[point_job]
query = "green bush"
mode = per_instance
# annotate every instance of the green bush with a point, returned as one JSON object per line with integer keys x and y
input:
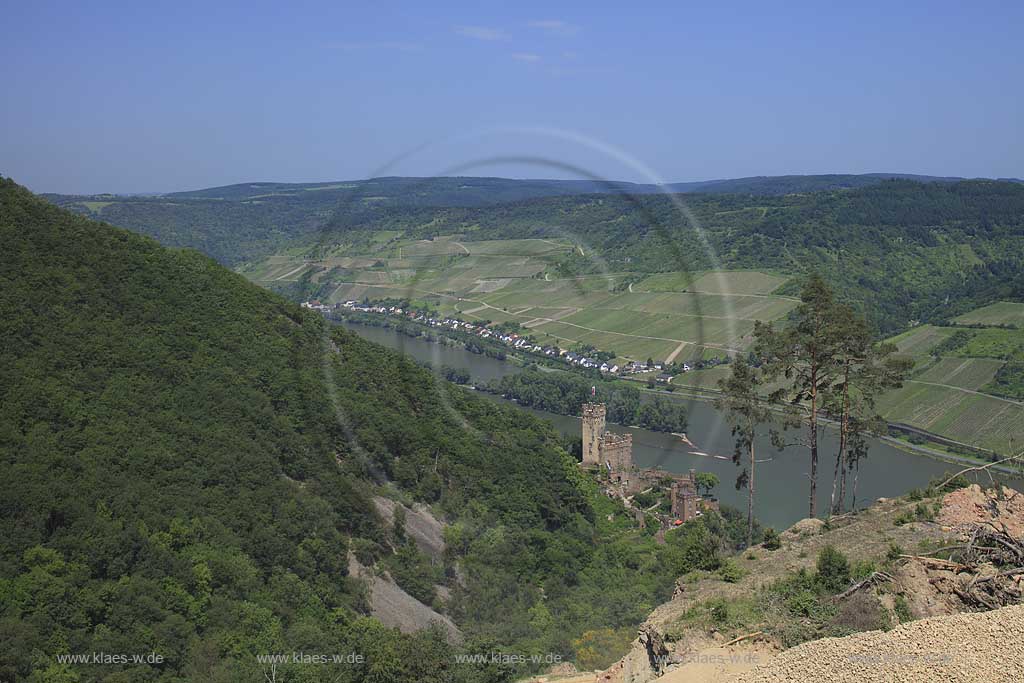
{"x": 771, "y": 539}
{"x": 894, "y": 552}
{"x": 730, "y": 571}
{"x": 833, "y": 569}
{"x": 863, "y": 570}
{"x": 902, "y": 609}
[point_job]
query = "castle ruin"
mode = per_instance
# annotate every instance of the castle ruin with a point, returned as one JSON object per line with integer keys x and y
{"x": 684, "y": 500}
{"x": 613, "y": 453}
{"x": 605, "y": 449}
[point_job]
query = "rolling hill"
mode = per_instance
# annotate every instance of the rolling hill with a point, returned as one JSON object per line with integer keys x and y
{"x": 245, "y": 221}
{"x": 903, "y": 251}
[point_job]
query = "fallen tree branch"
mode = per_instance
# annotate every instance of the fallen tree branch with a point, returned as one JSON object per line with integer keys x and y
{"x": 979, "y": 468}
{"x": 1008, "y": 572}
{"x": 874, "y": 579}
{"x": 938, "y": 562}
{"x": 749, "y": 635}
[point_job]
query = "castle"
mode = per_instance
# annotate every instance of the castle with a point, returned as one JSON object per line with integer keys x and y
{"x": 604, "y": 450}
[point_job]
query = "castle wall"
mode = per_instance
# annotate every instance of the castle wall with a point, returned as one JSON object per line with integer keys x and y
{"x": 617, "y": 451}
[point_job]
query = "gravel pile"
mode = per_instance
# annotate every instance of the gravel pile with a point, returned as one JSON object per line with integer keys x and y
{"x": 984, "y": 646}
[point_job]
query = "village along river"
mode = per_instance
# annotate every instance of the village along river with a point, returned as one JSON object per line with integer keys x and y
{"x": 782, "y": 482}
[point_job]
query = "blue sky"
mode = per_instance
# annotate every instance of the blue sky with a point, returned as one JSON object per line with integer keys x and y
{"x": 137, "y": 97}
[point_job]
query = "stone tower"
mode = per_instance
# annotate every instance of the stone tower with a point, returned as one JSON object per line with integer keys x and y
{"x": 593, "y": 430}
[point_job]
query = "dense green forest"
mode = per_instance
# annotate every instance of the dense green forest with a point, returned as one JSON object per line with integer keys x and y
{"x": 565, "y": 393}
{"x": 186, "y": 459}
{"x": 243, "y": 222}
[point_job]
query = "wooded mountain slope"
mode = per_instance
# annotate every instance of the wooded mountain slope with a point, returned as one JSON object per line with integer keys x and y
{"x": 176, "y": 478}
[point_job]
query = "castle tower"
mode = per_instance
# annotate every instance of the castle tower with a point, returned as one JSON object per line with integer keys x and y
{"x": 593, "y": 430}
{"x": 684, "y": 498}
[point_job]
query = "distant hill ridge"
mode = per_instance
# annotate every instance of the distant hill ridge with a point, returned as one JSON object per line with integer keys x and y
{"x": 448, "y": 188}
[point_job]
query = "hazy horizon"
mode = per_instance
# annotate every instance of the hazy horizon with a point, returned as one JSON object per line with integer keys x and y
{"x": 667, "y": 182}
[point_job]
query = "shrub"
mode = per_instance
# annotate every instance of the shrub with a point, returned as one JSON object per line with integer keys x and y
{"x": 860, "y": 612}
{"x": 902, "y": 609}
{"x": 771, "y": 539}
{"x": 923, "y": 513}
{"x": 804, "y": 603}
{"x": 863, "y": 570}
{"x": 718, "y": 609}
{"x": 957, "y": 482}
{"x": 833, "y": 569}
{"x": 730, "y": 571}
{"x": 894, "y": 552}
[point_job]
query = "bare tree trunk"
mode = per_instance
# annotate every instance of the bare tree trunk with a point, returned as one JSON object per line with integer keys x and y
{"x": 750, "y": 498}
{"x": 856, "y": 476}
{"x": 814, "y": 443}
{"x": 836, "y": 504}
{"x": 842, "y": 484}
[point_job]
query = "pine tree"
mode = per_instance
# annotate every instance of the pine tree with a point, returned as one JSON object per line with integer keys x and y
{"x": 745, "y": 410}
{"x": 804, "y": 354}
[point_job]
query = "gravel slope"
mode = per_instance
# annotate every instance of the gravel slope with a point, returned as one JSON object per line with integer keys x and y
{"x": 986, "y": 646}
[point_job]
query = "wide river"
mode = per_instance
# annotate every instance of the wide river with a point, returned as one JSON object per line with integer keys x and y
{"x": 782, "y": 482}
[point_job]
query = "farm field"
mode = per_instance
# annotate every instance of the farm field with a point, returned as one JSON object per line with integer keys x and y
{"x": 661, "y": 316}
{"x": 972, "y": 418}
{"x": 948, "y": 395}
{"x": 917, "y": 342}
{"x": 966, "y": 373}
{"x": 1000, "y": 313}
{"x": 993, "y": 342}
{"x": 702, "y": 379}
{"x": 721, "y": 282}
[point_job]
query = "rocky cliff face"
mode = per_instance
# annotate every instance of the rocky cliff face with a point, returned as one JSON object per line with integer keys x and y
{"x": 396, "y": 608}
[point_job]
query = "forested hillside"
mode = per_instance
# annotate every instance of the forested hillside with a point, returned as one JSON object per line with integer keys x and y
{"x": 186, "y": 461}
{"x": 905, "y": 251}
{"x": 246, "y": 221}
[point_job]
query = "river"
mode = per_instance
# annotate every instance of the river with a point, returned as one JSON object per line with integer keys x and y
{"x": 782, "y": 481}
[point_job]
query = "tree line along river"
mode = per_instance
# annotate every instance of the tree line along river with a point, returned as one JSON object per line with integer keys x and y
{"x": 782, "y": 477}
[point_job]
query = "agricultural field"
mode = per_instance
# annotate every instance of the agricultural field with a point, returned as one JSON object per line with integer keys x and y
{"x": 972, "y": 418}
{"x": 993, "y": 342}
{"x": 917, "y": 342}
{"x": 668, "y": 315}
{"x": 720, "y": 282}
{"x": 1000, "y": 313}
{"x": 703, "y": 379}
{"x": 966, "y": 373}
{"x": 950, "y": 395}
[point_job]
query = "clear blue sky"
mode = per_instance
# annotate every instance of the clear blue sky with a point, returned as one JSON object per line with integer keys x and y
{"x": 138, "y": 96}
